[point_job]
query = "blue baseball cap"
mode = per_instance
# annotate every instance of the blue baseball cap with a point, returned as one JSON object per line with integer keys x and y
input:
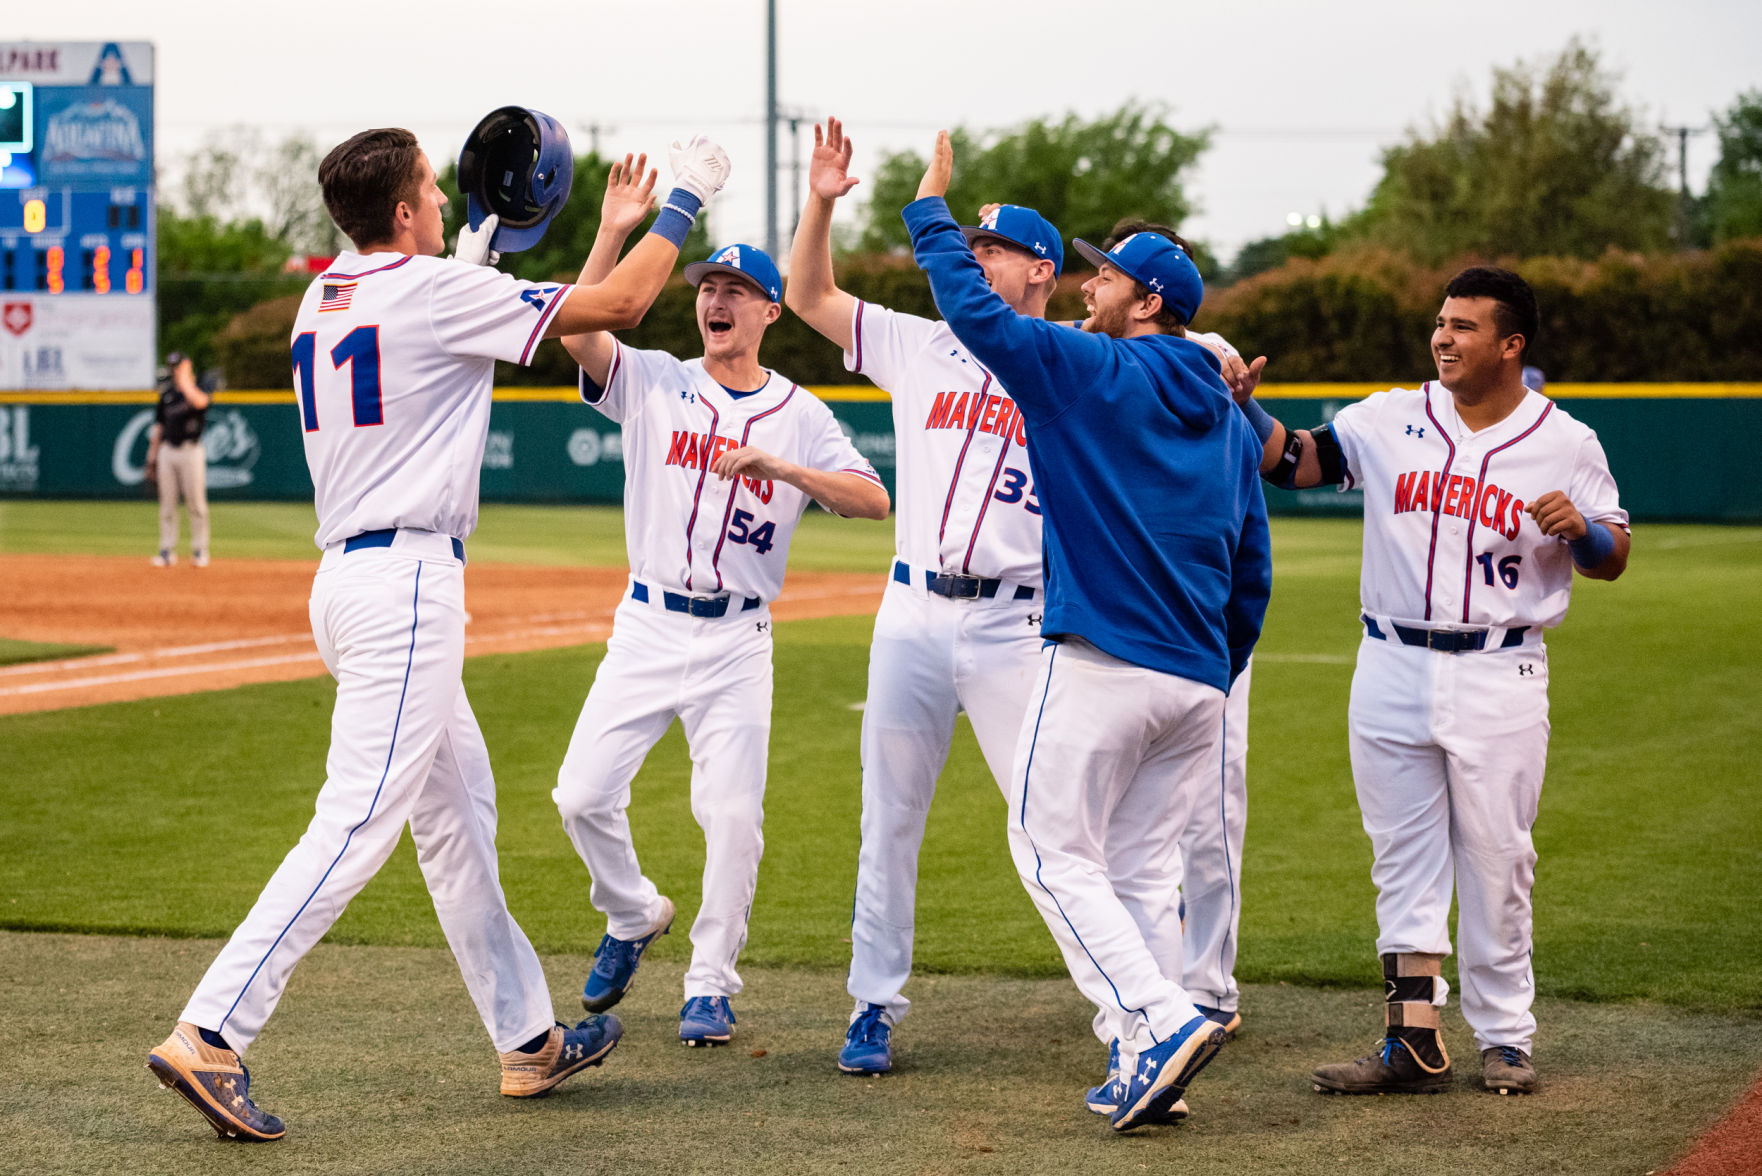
{"x": 1024, "y": 228}
{"x": 1159, "y": 264}
{"x": 750, "y": 262}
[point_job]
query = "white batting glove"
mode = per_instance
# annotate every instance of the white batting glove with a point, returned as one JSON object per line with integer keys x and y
{"x": 701, "y": 167}
{"x": 472, "y": 246}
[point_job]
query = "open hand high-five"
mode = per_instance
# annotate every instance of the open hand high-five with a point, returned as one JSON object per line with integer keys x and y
{"x": 936, "y": 176}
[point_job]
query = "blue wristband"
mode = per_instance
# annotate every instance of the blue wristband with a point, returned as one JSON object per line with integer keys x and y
{"x": 1597, "y": 546}
{"x": 678, "y": 214}
{"x": 1258, "y": 420}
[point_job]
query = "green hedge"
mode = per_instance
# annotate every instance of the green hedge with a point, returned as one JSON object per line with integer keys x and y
{"x": 1361, "y": 314}
{"x": 1367, "y": 315}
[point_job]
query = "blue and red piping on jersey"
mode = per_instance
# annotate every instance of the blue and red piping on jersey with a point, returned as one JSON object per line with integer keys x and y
{"x": 857, "y": 339}
{"x": 1437, "y": 506}
{"x": 544, "y": 317}
{"x": 390, "y": 265}
{"x": 697, "y": 494}
{"x": 990, "y": 489}
{"x": 1474, "y": 515}
{"x": 955, "y": 480}
{"x": 728, "y": 507}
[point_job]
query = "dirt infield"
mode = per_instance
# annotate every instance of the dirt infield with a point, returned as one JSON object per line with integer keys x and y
{"x": 184, "y": 629}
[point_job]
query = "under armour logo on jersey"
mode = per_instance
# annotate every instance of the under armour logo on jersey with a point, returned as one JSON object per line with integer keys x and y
{"x": 1526, "y": 670}
{"x": 764, "y": 626}
{"x": 1416, "y": 432}
{"x": 687, "y": 395}
{"x": 1034, "y": 619}
{"x": 955, "y": 354}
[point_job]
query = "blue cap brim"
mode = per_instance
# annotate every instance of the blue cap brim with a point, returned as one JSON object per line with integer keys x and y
{"x": 695, "y": 271}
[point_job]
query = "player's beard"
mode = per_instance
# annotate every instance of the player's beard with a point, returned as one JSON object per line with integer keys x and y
{"x": 1106, "y": 321}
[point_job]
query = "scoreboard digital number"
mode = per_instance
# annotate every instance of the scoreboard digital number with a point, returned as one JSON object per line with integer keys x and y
{"x": 77, "y": 246}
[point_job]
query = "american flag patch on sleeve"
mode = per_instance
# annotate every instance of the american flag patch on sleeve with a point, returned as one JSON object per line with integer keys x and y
{"x": 336, "y": 296}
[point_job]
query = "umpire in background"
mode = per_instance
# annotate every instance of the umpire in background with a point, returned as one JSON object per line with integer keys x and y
{"x": 1157, "y": 578}
{"x": 176, "y": 461}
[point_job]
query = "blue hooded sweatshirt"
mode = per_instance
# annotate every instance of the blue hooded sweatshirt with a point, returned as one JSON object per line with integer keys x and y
{"x": 1148, "y": 477}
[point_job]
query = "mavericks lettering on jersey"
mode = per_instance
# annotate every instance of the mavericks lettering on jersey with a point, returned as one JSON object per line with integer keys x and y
{"x": 699, "y": 451}
{"x": 986, "y": 411}
{"x": 1459, "y": 495}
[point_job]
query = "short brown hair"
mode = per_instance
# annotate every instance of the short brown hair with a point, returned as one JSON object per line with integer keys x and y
{"x": 1166, "y": 321}
{"x": 366, "y": 177}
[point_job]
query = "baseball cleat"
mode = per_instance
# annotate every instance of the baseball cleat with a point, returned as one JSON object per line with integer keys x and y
{"x": 1154, "y": 1089}
{"x": 1505, "y": 1069}
{"x": 1104, "y": 1099}
{"x": 868, "y": 1047}
{"x": 1230, "y": 1019}
{"x": 706, "y": 1020}
{"x": 200, "y": 559}
{"x": 215, "y": 1082}
{"x": 615, "y": 962}
{"x": 1392, "y": 1069}
{"x": 165, "y": 559}
{"x": 566, "y": 1051}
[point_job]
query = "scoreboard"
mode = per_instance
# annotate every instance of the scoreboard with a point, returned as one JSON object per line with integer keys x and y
{"x": 77, "y": 247}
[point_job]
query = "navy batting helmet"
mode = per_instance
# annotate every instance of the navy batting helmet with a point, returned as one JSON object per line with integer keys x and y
{"x": 516, "y": 164}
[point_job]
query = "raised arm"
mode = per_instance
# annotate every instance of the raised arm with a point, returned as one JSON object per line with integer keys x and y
{"x": 184, "y": 376}
{"x": 1044, "y": 366}
{"x": 629, "y": 198}
{"x": 700, "y": 168}
{"x": 811, "y": 289}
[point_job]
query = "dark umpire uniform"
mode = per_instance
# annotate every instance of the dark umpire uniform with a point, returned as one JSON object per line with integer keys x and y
{"x": 178, "y": 462}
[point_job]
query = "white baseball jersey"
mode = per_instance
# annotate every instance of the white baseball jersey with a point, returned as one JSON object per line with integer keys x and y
{"x": 1446, "y": 541}
{"x": 964, "y": 492}
{"x": 687, "y": 530}
{"x": 393, "y": 361}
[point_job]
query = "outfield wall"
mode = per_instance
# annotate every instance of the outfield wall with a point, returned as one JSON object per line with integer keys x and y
{"x": 1673, "y": 447}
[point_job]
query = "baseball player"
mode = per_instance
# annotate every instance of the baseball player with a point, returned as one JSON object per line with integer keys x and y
{"x": 721, "y": 456}
{"x": 177, "y": 462}
{"x": 1480, "y": 498}
{"x": 393, "y": 355}
{"x": 1157, "y": 582}
{"x": 959, "y": 625}
{"x": 1208, "y": 907}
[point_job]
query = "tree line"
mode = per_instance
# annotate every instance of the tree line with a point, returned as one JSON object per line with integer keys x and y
{"x": 1556, "y": 174}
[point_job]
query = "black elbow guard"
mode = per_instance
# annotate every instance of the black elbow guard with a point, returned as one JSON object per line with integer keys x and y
{"x": 1330, "y": 455}
{"x": 1284, "y": 474}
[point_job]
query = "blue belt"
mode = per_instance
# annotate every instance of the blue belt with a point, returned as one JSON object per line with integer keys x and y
{"x": 1444, "y": 640}
{"x": 384, "y": 539}
{"x": 697, "y": 606}
{"x": 958, "y": 587}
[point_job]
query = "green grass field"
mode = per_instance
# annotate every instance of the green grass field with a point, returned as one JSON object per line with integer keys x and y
{"x": 1646, "y": 894}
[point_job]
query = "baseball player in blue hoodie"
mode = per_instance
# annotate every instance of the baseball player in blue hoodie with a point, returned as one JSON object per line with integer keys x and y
{"x": 1157, "y": 579}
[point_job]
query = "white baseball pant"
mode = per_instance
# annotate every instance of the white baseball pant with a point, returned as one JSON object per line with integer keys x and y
{"x": 404, "y": 747}
{"x": 1211, "y": 863}
{"x": 1448, "y": 754}
{"x": 931, "y": 658}
{"x": 714, "y": 674}
{"x": 1107, "y": 766}
{"x": 182, "y": 472}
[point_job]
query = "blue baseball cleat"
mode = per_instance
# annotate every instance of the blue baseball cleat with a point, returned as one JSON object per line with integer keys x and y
{"x": 215, "y": 1082}
{"x": 1105, "y": 1099}
{"x": 868, "y": 1047}
{"x": 1153, "y": 1091}
{"x": 1230, "y": 1019}
{"x": 706, "y": 1020}
{"x": 615, "y": 962}
{"x": 565, "y": 1051}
